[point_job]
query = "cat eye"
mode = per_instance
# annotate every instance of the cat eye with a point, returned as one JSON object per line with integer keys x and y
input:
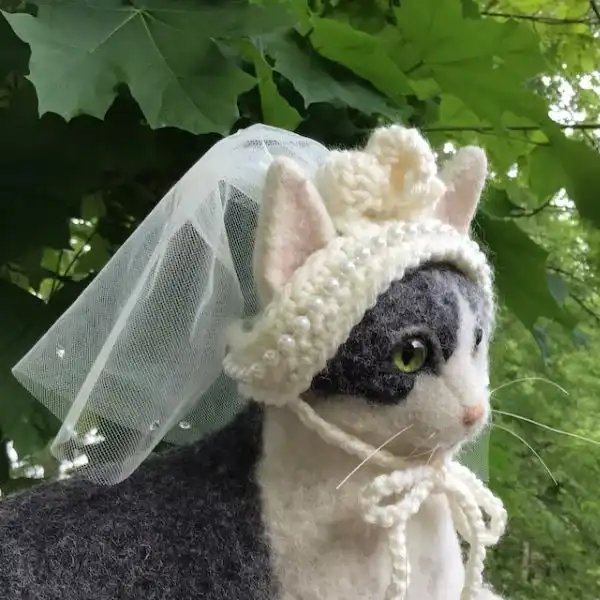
{"x": 411, "y": 355}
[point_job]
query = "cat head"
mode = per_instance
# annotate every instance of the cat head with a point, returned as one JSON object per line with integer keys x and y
{"x": 378, "y": 306}
{"x": 417, "y": 363}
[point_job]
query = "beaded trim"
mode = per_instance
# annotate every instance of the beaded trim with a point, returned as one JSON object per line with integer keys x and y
{"x": 304, "y": 325}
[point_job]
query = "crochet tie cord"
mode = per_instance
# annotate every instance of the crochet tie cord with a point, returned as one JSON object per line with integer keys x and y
{"x": 391, "y": 500}
{"x": 380, "y": 223}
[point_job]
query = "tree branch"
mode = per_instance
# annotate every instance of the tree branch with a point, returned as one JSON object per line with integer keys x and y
{"x": 77, "y": 254}
{"x": 567, "y": 274}
{"x": 595, "y": 8}
{"x": 486, "y": 128}
{"x": 537, "y": 19}
{"x": 535, "y": 211}
{"x": 586, "y": 308}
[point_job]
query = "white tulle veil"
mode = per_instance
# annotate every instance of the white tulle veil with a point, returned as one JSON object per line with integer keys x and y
{"x": 138, "y": 357}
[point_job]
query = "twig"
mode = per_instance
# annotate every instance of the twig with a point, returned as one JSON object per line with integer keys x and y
{"x": 414, "y": 67}
{"x": 567, "y": 274}
{"x": 595, "y": 9}
{"x": 522, "y": 140}
{"x": 486, "y": 128}
{"x": 535, "y": 211}
{"x": 72, "y": 263}
{"x": 586, "y": 308}
{"x": 79, "y": 252}
{"x": 536, "y": 18}
{"x": 57, "y": 274}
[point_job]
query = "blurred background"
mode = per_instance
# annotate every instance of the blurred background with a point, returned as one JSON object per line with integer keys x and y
{"x": 105, "y": 104}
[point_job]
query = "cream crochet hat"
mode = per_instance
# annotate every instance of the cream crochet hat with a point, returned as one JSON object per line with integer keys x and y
{"x": 374, "y": 214}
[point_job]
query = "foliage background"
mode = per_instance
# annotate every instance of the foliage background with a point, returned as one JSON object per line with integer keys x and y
{"x": 105, "y": 104}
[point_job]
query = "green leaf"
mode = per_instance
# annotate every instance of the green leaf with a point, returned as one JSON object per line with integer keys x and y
{"x": 22, "y": 321}
{"x": 580, "y": 339}
{"x": 483, "y": 62}
{"x": 14, "y": 54}
{"x": 164, "y": 50}
{"x": 541, "y": 338}
{"x": 93, "y": 259}
{"x": 520, "y": 271}
{"x": 362, "y": 53}
{"x": 444, "y": 36}
{"x": 582, "y": 166}
{"x": 496, "y": 203}
{"x": 307, "y": 72}
{"x": 546, "y": 175}
{"x": 276, "y": 110}
{"x": 558, "y": 288}
{"x": 92, "y": 207}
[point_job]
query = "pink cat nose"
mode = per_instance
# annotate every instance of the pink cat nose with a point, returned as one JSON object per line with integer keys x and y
{"x": 472, "y": 414}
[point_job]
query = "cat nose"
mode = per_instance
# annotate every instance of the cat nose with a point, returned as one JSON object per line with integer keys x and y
{"x": 472, "y": 414}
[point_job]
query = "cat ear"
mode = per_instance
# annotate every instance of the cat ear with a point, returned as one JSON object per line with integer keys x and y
{"x": 293, "y": 223}
{"x": 464, "y": 175}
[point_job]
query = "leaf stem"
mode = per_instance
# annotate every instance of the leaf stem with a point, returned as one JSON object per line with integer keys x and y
{"x": 72, "y": 263}
{"x": 536, "y": 18}
{"x": 535, "y": 211}
{"x": 56, "y": 278}
{"x": 79, "y": 252}
{"x": 414, "y": 68}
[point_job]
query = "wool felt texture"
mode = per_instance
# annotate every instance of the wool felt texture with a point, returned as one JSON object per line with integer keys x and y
{"x": 304, "y": 217}
{"x": 251, "y": 512}
{"x": 186, "y": 525}
{"x": 423, "y": 304}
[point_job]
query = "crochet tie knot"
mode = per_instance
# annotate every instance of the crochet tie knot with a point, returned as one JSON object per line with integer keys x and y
{"x": 391, "y": 500}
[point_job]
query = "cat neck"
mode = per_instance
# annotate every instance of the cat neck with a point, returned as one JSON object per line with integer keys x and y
{"x": 291, "y": 446}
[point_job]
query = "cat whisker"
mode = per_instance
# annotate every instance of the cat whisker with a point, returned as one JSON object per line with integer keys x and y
{"x": 524, "y": 379}
{"x": 432, "y": 454}
{"x": 547, "y": 427}
{"x": 424, "y": 452}
{"x": 366, "y": 460}
{"x": 524, "y": 441}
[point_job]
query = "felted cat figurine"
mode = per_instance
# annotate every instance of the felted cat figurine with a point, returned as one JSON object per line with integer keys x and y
{"x": 377, "y": 316}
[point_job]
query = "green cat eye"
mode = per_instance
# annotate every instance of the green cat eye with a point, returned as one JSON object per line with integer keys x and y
{"x": 411, "y": 355}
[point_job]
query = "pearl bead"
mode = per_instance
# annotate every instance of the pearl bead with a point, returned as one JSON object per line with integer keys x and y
{"x": 315, "y": 304}
{"x": 332, "y": 285}
{"x": 286, "y": 343}
{"x": 363, "y": 254}
{"x": 348, "y": 267}
{"x": 396, "y": 230}
{"x": 271, "y": 357}
{"x": 302, "y": 324}
{"x": 378, "y": 243}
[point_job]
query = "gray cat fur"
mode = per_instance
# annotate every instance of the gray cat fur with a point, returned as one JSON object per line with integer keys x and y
{"x": 188, "y": 524}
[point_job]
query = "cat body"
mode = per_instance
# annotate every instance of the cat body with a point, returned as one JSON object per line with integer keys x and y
{"x": 219, "y": 521}
{"x": 253, "y": 511}
{"x": 374, "y": 333}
